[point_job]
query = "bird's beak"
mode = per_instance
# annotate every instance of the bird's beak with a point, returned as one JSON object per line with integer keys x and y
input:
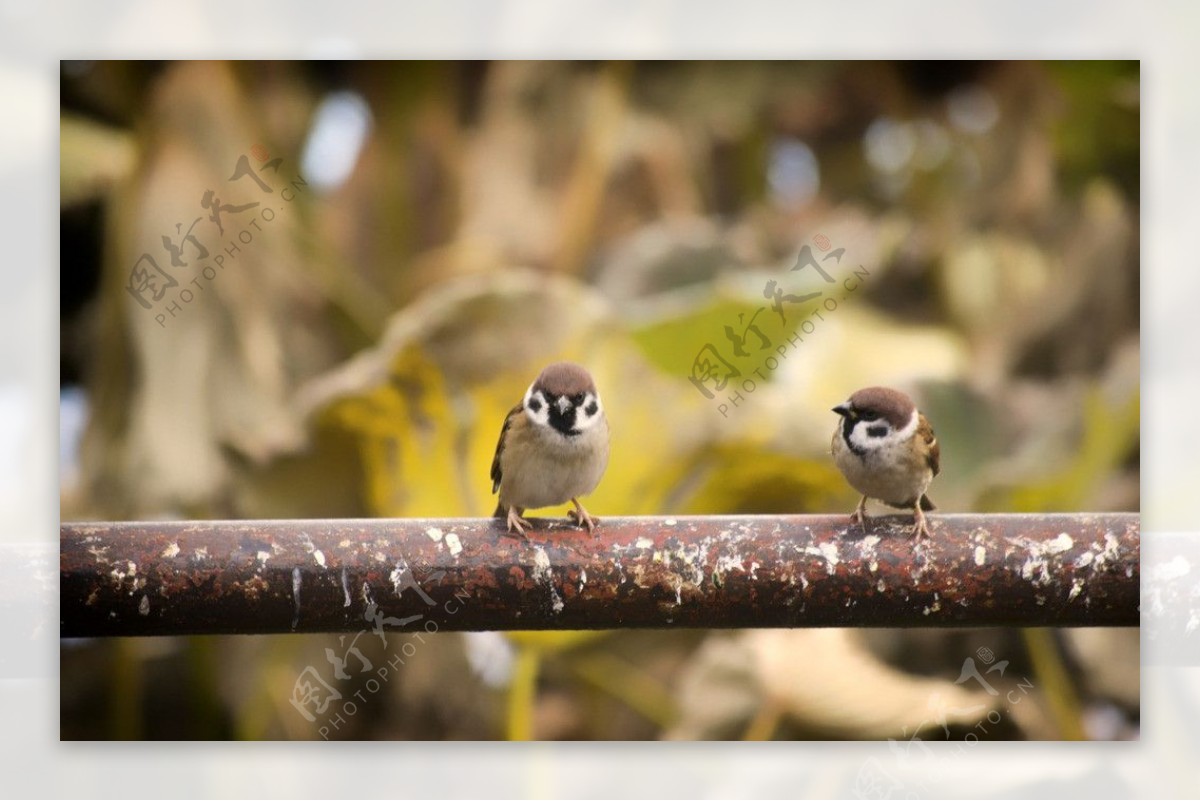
{"x": 843, "y": 409}
{"x": 563, "y": 404}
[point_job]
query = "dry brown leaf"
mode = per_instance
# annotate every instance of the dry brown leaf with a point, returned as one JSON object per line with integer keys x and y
{"x": 825, "y": 680}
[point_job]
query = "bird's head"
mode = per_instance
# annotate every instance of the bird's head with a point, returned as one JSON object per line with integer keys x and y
{"x": 564, "y": 399}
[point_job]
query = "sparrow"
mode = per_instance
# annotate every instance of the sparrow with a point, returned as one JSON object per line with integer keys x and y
{"x": 887, "y": 450}
{"x": 553, "y": 447}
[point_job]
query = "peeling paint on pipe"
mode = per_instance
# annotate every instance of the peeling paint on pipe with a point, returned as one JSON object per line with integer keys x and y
{"x": 280, "y": 576}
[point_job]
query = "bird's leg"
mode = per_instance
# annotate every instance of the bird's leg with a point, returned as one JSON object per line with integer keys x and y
{"x": 581, "y": 516}
{"x": 859, "y": 515}
{"x": 515, "y": 521}
{"x": 921, "y": 529}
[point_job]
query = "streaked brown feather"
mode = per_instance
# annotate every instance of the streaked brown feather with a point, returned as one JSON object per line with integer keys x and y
{"x": 934, "y": 456}
{"x": 512, "y": 415}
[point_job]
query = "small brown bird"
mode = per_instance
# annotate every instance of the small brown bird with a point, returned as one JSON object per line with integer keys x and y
{"x": 887, "y": 450}
{"x": 553, "y": 447}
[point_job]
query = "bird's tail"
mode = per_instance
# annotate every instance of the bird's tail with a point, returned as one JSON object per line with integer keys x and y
{"x": 500, "y": 511}
{"x": 926, "y": 504}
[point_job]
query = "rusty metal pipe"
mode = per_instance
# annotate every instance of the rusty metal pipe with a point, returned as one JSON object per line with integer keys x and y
{"x": 278, "y": 576}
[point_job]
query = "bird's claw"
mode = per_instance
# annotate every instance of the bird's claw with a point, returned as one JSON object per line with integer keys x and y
{"x": 859, "y": 515}
{"x": 582, "y": 518}
{"x": 517, "y": 523}
{"x": 920, "y": 526}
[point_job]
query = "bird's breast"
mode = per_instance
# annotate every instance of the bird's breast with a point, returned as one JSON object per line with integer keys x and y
{"x": 544, "y": 468}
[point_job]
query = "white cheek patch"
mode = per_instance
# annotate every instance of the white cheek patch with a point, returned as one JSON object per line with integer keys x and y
{"x": 583, "y": 420}
{"x": 536, "y": 408}
{"x": 862, "y": 440}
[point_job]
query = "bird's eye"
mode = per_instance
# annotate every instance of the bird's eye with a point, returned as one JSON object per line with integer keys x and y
{"x": 577, "y": 400}
{"x": 868, "y": 416}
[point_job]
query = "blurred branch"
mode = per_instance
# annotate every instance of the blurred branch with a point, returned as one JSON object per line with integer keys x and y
{"x": 92, "y": 159}
{"x": 125, "y": 702}
{"x": 467, "y": 574}
{"x": 589, "y": 176}
{"x": 1053, "y": 677}
{"x": 522, "y": 694}
{"x": 762, "y": 727}
{"x": 631, "y": 685}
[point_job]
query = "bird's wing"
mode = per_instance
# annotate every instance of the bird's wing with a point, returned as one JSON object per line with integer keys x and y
{"x": 508, "y": 421}
{"x": 934, "y": 456}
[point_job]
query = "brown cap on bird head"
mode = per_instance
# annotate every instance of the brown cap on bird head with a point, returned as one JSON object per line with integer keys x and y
{"x": 890, "y": 404}
{"x": 564, "y": 379}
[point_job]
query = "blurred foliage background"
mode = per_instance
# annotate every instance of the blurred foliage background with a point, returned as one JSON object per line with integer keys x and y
{"x": 456, "y": 225}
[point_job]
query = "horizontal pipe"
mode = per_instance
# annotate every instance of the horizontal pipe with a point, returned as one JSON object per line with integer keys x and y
{"x": 278, "y": 576}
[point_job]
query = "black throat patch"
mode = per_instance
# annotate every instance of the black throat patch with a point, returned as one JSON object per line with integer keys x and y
{"x": 562, "y": 422}
{"x": 848, "y": 424}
